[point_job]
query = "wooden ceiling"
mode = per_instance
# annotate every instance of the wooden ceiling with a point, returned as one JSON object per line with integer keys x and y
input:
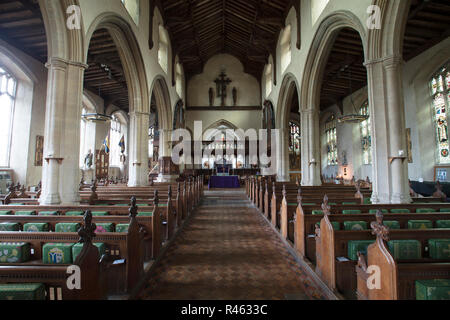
{"x": 344, "y": 72}
{"x": 105, "y": 76}
{"x": 22, "y": 26}
{"x": 247, "y": 29}
{"x": 428, "y": 24}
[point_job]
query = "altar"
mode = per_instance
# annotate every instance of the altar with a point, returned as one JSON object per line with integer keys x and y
{"x": 227, "y": 182}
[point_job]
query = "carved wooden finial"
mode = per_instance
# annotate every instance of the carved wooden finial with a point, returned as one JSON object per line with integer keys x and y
{"x": 87, "y": 231}
{"x": 378, "y": 228}
{"x": 325, "y": 207}
{"x": 299, "y": 195}
{"x": 362, "y": 263}
{"x": 156, "y": 198}
{"x": 133, "y": 210}
{"x": 284, "y": 191}
{"x": 273, "y": 187}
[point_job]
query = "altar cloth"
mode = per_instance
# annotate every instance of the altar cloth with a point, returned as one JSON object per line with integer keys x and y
{"x": 224, "y": 182}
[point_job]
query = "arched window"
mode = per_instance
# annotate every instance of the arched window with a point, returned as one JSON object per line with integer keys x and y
{"x": 286, "y": 48}
{"x": 331, "y": 134}
{"x": 7, "y": 99}
{"x": 115, "y": 136}
{"x": 366, "y": 138}
{"x": 82, "y": 137}
{"x": 163, "y": 51}
{"x": 294, "y": 145}
{"x": 132, "y": 7}
{"x": 440, "y": 91}
{"x": 153, "y": 132}
{"x": 179, "y": 80}
{"x": 268, "y": 75}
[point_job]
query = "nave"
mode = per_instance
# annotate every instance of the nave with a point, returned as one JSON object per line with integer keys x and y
{"x": 228, "y": 251}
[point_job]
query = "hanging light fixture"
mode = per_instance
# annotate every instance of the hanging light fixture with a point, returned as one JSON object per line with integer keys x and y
{"x": 354, "y": 117}
{"x": 99, "y": 117}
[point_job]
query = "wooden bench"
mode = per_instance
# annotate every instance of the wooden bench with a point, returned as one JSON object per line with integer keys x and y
{"x": 335, "y": 269}
{"x": 398, "y": 278}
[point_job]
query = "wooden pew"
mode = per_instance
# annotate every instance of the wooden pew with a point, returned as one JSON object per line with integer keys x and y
{"x": 397, "y": 281}
{"x": 126, "y": 246}
{"x": 340, "y": 274}
{"x": 93, "y": 270}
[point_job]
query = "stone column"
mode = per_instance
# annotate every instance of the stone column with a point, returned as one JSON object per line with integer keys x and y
{"x": 380, "y": 166}
{"x": 60, "y": 173}
{"x": 283, "y": 156}
{"x": 311, "y": 163}
{"x": 396, "y": 130}
{"x": 138, "y": 152}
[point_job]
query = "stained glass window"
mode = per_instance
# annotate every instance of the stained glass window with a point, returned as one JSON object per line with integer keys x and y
{"x": 366, "y": 138}
{"x": 331, "y": 134}
{"x": 7, "y": 98}
{"x": 294, "y": 138}
{"x": 440, "y": 91}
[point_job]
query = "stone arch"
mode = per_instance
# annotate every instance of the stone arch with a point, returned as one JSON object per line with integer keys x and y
{"x": 388, "y": 41}
{"x": 319, "y": 53}
{"x": 287, "y": 90}
{"x": 130, "y": 56}
{"x": 66, "y": 45}
{"x": 161, "y": 91}
{"x": 221, "y": 122}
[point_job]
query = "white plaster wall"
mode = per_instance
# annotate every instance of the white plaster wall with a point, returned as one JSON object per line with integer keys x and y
{"x": 29, "y": 112}
{"x": 248, "y": 89}
{"x": 418, "y": 113}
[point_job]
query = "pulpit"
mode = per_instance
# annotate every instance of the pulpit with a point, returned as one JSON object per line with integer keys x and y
{"x": 168, "y": 171}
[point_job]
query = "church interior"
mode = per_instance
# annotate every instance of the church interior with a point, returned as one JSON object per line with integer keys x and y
{"x": 315, "y": 159}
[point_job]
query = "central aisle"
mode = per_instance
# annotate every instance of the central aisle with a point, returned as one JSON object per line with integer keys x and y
{"x": 227, "y": 251}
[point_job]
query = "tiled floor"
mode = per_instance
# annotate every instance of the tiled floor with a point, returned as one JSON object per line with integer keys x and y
{"x": 227, "y": 252}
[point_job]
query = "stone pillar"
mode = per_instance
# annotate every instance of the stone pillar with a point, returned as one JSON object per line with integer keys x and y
{"x": 138, "y": 152}
{"x": 283, "y": 156}
{"x": 60, "y": 172}
{"x": 396, "y": 130}
{"x": 311, "y": 148}
{"x": 380, "y": 165}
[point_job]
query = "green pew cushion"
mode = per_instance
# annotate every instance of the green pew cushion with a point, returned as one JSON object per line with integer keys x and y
{"x": 57, "y": 253}
{"x": 74, "y": 213}
{"x": 7, "y": 226}
{"x": 25, "y": 213}
{"x": 358, "y": 245}
{"x": 348, "y": 203}
{"x": 22, "y": 291}
{"x": 100, "y": 213}
{"x": 374, "y": 211}
{"x": 308, "y": 204}
{"x": 289, "y": 204}
{"x": 392, "y": 224}
{"x": 400, "y": 211}
{"x": 121, "y": 205}
{"x": 142, "y": 205}
{"x": 332, "y": 204}
{"x": 76, "y": 250}
{"x": 367, "y": 201}
{"x": 5, "y": 213}
{"x": 122, "y": 228}
{"x": 425, "y": 210}
{"x": 335, "y": 224}
{"x": 14, "y": 252}
{"x": 420, "y": 224}
{"x": 444, "y": 210}
{"x": 355, "y": 225}
{"x": 36, "y": 227}
{"x": 145, "y": 214}
{"x": 437, "y": 289}
{"x": 443, "y": 224}
{"x": 351, "y": 211}
{"x": 317, "y": 212}
{"x": 67, "y": 227}
{"x": 405, "y": 249}
{"x": 48, "y": 213}
{"x": 104, "y": 227}
{"x": 439, "y": 248}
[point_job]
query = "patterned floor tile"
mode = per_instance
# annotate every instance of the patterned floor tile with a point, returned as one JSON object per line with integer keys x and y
{"x": 227, "y": 251}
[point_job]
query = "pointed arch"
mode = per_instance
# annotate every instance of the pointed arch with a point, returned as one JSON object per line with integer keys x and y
{"x": 161, "y": 92}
